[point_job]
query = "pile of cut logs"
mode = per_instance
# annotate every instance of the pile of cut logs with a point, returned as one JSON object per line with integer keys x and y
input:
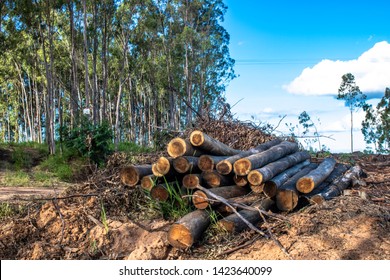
{"x": 227, "y": 179}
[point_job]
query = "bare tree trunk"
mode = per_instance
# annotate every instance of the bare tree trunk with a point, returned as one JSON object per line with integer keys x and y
{"x": 87, "y": 96}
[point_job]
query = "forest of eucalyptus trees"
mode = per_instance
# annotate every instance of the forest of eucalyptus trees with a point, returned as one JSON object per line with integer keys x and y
{"x": 140, "y": 65}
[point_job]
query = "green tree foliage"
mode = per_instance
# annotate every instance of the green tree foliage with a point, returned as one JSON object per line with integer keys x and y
{"x": 376, "y": 125}
{"x": 141, "y": 66}
{"x": 353, "y": 97}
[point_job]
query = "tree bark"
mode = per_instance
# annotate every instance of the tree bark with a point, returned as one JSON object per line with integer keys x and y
{"x": 287, "y": 195}
{"x": 225, "y": 167}
{"x": 214, "y": 180}
{"x": 186, "y": 164}
{"x": 211, "y": 145}
{"x": 180, "y": 147}
{"x": 234, "y": 224}
{"x": 309, "y": 182}
{"x": 201, "y": 200}
{"x": 208, "y": 162}
{"x": 131, "y": 175}
{"x": 271, "y": 186}
{"x": 245, "y": 165}
{"x": 339, "y": 185}
{"x": 267, "y": 172}
{"x": 189, "y": 229}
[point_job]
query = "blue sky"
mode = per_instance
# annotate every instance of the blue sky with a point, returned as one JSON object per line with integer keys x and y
{"x": 290, "y": 56}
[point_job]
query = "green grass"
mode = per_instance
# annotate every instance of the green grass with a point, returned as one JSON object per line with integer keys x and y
{"x": 10, "y": 210}
{"x": 131, "y": 147}
{"x": 16, "y": 178}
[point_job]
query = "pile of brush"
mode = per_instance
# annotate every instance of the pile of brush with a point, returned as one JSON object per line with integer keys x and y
{"x": 234, "y": 182}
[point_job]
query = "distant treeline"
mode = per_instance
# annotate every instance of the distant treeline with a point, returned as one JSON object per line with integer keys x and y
{"x": 140, "y": 65}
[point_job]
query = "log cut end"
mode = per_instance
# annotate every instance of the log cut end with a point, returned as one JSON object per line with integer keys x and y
{"x": 197, "y": 138}
{"x": 155, "y": 171}
{"x": 147, "y": 182}
{"x": 224, "y": 167}
{"x": 191, "y": 181}
{"x": 129, "y": 176}
{"x": 305, "y": 185}
{"x": 205, "y": 163}
{"x": 240, "y": 181}
{"x": 211, "y": 178}
{"x": 181, "y": 165}
{"x": 242, "y": 167}
{"x": 270, "y": 189}
{"x": 255, "y": 177}
{"x": 180, "y": 236}
{"x": 286, "y": 200}
{"x": 257, "y": 188}
{"x": 177, "y": 147}
{"x": 163, "y": 165}
{"x": 316, "y": 199}
{"x": 200, "y": 200}
{"x": 226, "y": 225}
{"x": 160, "y": 193}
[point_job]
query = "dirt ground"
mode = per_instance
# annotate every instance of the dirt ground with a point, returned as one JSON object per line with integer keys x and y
{"x": 101, "y": 219}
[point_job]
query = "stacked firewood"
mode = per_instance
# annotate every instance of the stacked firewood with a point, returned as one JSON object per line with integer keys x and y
{"x": 227, "y": 179}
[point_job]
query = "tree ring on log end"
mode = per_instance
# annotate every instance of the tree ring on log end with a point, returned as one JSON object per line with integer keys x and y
{"x": 180, "y": 237}
{"x": 129, "y": 176}
{"x": 257, "y": 188}
{"x": 159, "y": 193}
{"x": 227, "y": 225}
{"x": 316, "y": 199}
{"x": 286, "y": 200}
{"x": 255, "y": 177}
{"x": 270, "y": 189}
{"x": 176, "y": 147}
{"x": 242, "y": 167}
{"x": 224, "y": 167}
{"x": 163, "y": 165}
{"x": 200, "y": 200}
{"x": 305, "y": 185}
{"x": 190, "y": 181}
{"x": 196, "y": 138}
{"x": 240, "y": 181}
{"x": 205, "y": 163}
{"x": 181, "y": 164}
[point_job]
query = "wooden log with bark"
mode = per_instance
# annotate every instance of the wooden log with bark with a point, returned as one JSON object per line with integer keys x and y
{"x": 186, "y": 164}
{"x": 191, "y": 181}
{"x": 257, "y": 188}
{"x": 243, "y": 166}
{"x": 182, "y": 147}
{"x": 271, "y": 186}
{"x": 267, "y": 172}
{"x": 189, "y": 229}
{"x": 339, "y": 185}
{"x": 308, "y": 182}
{"x": 235, "y": 202}
{"x": 201, "y": 199}
{"x": 225, "y": 167}
{"x": 235, "y": 224}
{"x": 240, "y": 181}
{"x": 131, "y": 175}
{"x": 287, "y": 195}
{"x": 211, "y": 145}
{"x": 208, "y": 162}
{"x": 159, "y": 193}
{"x": 214, "y": 180}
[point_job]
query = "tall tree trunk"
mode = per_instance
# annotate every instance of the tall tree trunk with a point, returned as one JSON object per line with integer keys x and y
{"x": 87, "y": 95}
{"x": 351, "y": 131}
{"x": 95, "y": 93}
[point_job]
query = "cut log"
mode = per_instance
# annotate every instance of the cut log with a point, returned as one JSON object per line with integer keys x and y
{"x": 148, "y": 182}
{"x": 159, "y": 193}
{"x": 235, "y": 202}
{"x": 258, "y": 176}
{"x": 208, "y": 162}
{"x": 271, "y": 186}
{"x": 234, "y": 224}
{"x": 240, "y": 181}
{"x": 211, "y": 145}
{"x": 131, "y": 175}
{"x": 257, "y": 188}
{"x": 214, "y": 180}
{"x": 163, "y": 165}
{"x": 182, "y": 147}
{"x": 287, "y": 195}
{"x": 201, "y": 200}
{"x": 186, "y": 164}
{"x": 191, "y": 181}
{"x": 225, "y": 167}
{"x": 307, "y": 183}
{"x": 336, "y": 188}
{"x": 337, "y": 172}
{"x": 243, "y": 166}
{"x": 189, "y": 229}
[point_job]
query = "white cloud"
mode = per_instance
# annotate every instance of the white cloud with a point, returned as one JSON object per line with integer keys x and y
{"x": 371, "y": 71}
